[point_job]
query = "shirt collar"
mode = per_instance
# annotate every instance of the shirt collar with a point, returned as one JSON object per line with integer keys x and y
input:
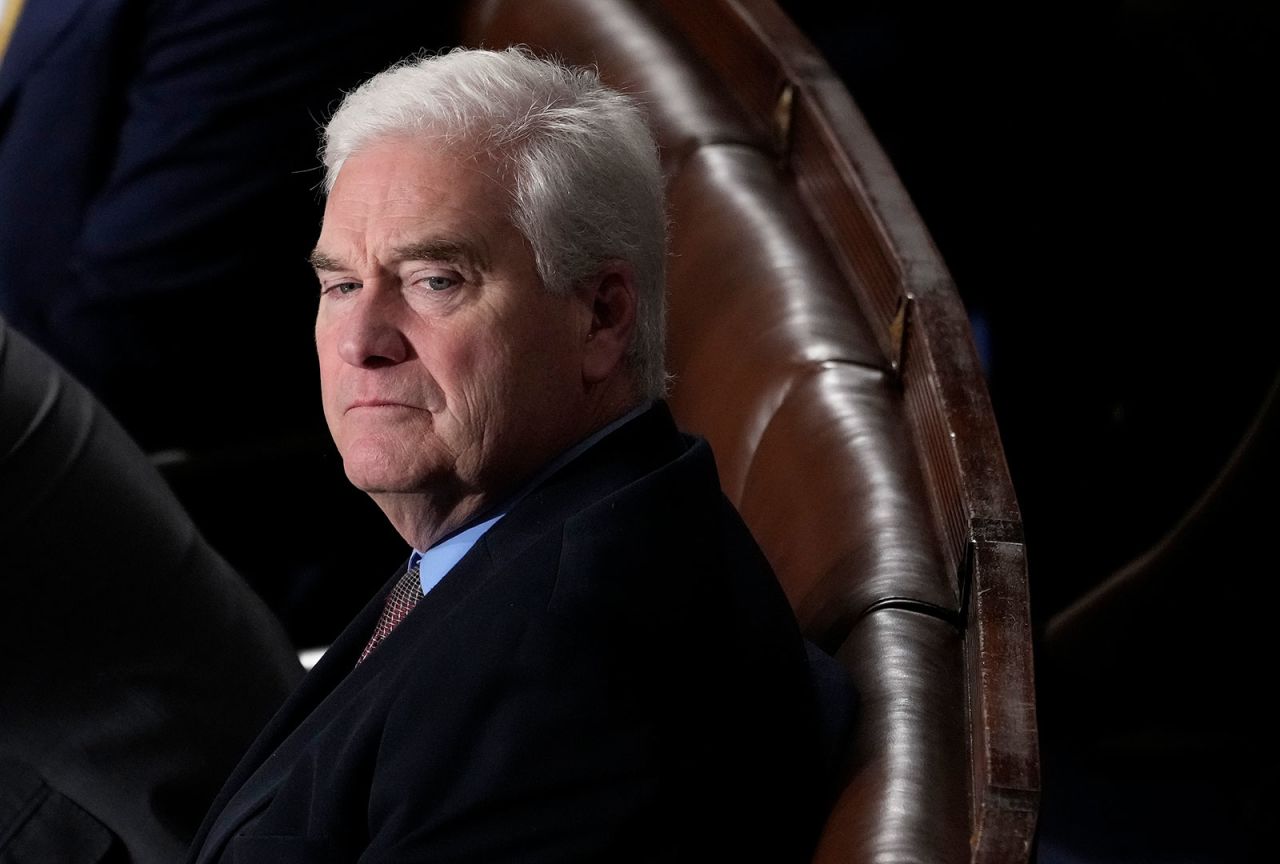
{"x": 437, "y": 561}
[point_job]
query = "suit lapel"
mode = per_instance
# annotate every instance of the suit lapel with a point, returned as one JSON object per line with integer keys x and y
{"x": 630, "y": 452}
{"x": 265, "y": 763}
{"x": 40, "y": 24}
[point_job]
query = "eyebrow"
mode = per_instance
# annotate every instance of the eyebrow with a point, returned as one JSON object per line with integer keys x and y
{"x": 443, "y": 250}
{"x": 422, "y": 250}
{"x": 323, "y": 263}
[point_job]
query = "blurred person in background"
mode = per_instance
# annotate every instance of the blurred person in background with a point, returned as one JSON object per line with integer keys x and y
{"x": 157, "y": 171}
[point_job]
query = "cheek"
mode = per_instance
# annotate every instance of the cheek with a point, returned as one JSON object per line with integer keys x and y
{"x": 463, "y": 371}
{"x": 328, "y": 387}
{"x": 326, "y": 354}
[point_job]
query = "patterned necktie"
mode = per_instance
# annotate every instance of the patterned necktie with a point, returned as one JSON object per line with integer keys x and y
{"x": 400, "y": 602}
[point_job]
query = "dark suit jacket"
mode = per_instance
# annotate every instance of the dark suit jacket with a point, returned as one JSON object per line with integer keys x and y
{"x": 135, "y": 666}
{"x": 612, "y": 673}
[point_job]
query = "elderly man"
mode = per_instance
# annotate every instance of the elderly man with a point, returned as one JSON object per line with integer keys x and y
{"x": 586, "y": 657}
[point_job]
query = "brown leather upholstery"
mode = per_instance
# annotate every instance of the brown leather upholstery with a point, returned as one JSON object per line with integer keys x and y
{"x": 908, "y": 666}
{"x": 771, "y": 288}
{"x": 817, "y": 341}
{"x": 637, "y": 54}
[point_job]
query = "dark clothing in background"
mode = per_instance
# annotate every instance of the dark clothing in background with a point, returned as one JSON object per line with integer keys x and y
{"x": 158, "y": 197}
{"x": 135, "y": 666}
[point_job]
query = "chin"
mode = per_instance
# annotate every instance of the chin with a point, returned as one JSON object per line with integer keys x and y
{"x": 379, "y": 477}
{"x": 373, "y": 469}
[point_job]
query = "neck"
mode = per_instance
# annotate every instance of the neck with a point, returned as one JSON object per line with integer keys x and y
{"x": 423, "y": 518}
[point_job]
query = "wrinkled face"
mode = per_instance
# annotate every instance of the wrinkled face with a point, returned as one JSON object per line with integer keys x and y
{"x": 445, "y": 366}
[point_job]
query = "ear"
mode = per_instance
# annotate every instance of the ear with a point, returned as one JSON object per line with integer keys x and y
{"x": 611, "y": 297}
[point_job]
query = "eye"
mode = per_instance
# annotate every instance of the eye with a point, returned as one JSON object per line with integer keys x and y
{"x": 340, "y": 288}
{"x": 438, "y": 283}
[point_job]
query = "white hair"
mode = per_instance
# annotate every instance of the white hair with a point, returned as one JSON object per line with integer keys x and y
{"x": 578, "y": 157}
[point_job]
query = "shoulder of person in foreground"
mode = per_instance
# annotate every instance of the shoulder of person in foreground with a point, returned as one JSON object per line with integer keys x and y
{"x": 135, "y": 665}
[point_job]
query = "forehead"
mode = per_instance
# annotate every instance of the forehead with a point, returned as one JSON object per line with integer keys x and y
{"x": 393, "y": 190}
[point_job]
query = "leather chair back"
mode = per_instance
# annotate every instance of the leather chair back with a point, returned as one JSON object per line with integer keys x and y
{"x": 817, "y": 341}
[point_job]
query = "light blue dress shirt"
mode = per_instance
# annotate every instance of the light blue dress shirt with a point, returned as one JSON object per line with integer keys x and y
{"x": 440, "y": 558}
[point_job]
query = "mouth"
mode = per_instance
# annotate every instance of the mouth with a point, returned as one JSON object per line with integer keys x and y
{"x": 381, "y": 403}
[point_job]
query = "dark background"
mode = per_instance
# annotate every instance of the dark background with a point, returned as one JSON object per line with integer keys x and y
{"x": 1100, "y": 179}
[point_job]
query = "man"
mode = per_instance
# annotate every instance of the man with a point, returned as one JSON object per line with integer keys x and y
{"x": 601, "y": 665}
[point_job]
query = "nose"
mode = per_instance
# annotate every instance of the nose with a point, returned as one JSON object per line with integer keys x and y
{"x": 371, "y": 335}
